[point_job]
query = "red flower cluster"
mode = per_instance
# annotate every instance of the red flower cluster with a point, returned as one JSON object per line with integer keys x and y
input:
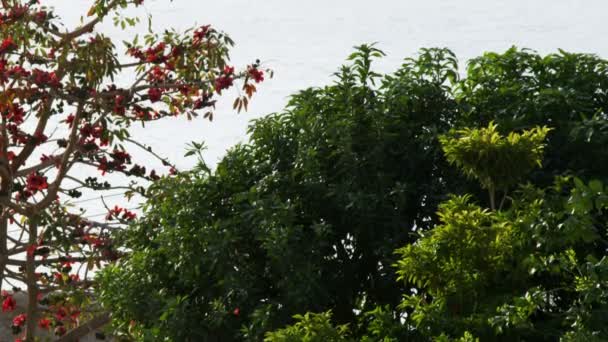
{"x": 9, "y": 303}
{"x": 155, "y": 54}
{"x": 119, "y": 105}
{"x": 225, "y": 80}
{"x": 200, "y": 34}
{"x": 19, "y": 320}
{"x": 155, "y": 94}
{"x": 42, "y": 78}
{"x": 18, "y": 136}
{"x": 16, "y": 71}
{"x": 89, "y": 134}
{"x": 157, "y": 74}
{"x": 44, "y": 323}
{"x": 12, "y": 113}
{"x": 8, "y": 44}
{"x": 120, "y": 213}
{"x": 36, "y": 182}
{"x": 256, "y": 74}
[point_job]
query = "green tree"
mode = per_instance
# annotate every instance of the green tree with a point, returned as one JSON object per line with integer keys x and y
{"x": 527, "y": 273}
{"x": 307, "y": 215}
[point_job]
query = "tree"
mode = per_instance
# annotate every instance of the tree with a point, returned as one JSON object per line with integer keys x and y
{"x": 533, "y": 271}
{"x": 307, "y": 216}
{"x": 282, "y": 225}
{"x": 61, "y": 113}
{"x": 529, "y": 272}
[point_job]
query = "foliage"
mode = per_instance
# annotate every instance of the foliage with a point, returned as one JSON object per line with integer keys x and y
{"x": 283, "y": 225}
{"x": 64, "y": 120}
{"x": 310, "y": 328}
{"x": 307, "y": 215}
{"x": 497, "y": 162}
{"x": 536, "y": 271}
{"x": 520, "y": 89}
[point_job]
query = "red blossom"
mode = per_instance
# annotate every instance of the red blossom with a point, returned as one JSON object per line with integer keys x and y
{"x": 155, "y": 94}
{"x": 200, "y": 34}
{"x": 70, "y": 120}
{"x": 7, "y": 45}
{"x": 19, "y": 320}
{"x": 119, "y": 105}
{"x": 228, "y": 70}
{"x": 156, "y": 54}
{"x": 256, "y": 74}
{"x": 223, "y": 82}
{"x": 18, "y": 71}
{"x": 36, "y": 182}
{"x": 128, "y": 215}
{"x": 157, "y": 74}
{"x": 43, "y": 78}
{"x": 135, "y": 52}
{"x": 9, "y": 303}
{"x": 61, "y": 314}
{"x": 44, "y": 323}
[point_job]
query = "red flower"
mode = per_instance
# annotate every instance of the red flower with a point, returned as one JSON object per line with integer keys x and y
{"x": 70, "y": 119}
{"x": 156, "y": 54}
{"x": 7, "y": 45}
{"x": 36, "y": 182}
{"x": 200, "y": 34}
{"x": 115, "y": 212}
{"x": 228, "y": 70}
{"x": 19, "y": 320}
{"x": 44, "y": 323}
{"x": 61, "y": 314}
{"x": 9, "y": 303}
{"x": 155, "y": 94}
{"x": 128, "y": 215}
{"x": 223, "y": 82}
{"x": 43, "y": 78}
{"x": 255, "y": 74}
{"x": 236, "y": 311}
{"x": 157, "y": 74}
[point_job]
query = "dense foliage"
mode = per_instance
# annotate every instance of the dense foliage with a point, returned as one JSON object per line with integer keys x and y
{"x": 307, "y": 215}
{"x": 65, "y": 123}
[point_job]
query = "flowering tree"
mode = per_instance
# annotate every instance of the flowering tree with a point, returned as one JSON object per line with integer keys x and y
{"x": 61, "y": 113}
